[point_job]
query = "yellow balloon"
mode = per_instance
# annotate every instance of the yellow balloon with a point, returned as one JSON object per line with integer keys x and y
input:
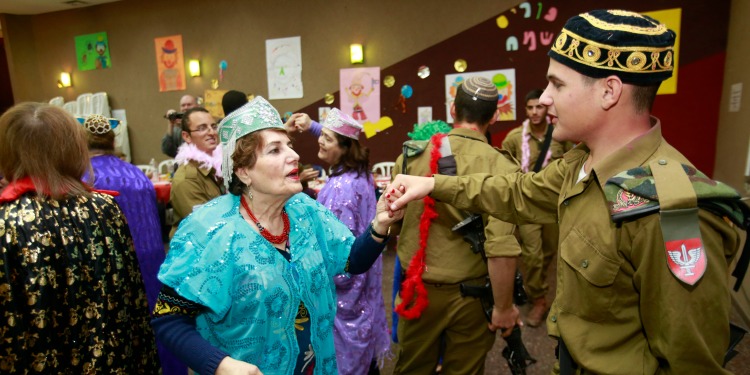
{"x": 502, "y": 22}
{"x": 460, "y": 65}
{"x": 389, "y": 81}
{"x": 329, "y": 98}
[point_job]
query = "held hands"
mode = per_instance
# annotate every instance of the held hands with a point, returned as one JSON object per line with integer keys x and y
{"x": 505, "y": 319}
{"x": 384, "y": 216}
{"x": 231, "y": 366}
{"x": 298, "y": 122}
{"x": 405, "y": 189}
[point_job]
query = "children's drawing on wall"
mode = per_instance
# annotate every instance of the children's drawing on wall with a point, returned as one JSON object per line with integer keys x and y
{"x": 92, "y": 51}
{"x": 170, "y": 63}
{"x": 504, "y": 80}
{"x": 360, "y": 93}
{"x": 212, "y": 102}
{"x": 424, "y": 114}
{"x": 284, "y": 68}
{"x": 323, "y": 113}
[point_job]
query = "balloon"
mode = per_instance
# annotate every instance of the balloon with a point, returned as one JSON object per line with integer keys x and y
{"x": 407, "y": 91}
{"x": 223, "y": 65}
{"x": 389, "y": 81}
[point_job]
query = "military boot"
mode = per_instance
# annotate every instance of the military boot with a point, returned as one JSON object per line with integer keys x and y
{"x": 538, "y": 312}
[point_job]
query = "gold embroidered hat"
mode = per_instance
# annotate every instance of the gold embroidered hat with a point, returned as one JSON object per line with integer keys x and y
{"x": 599, "y": 43}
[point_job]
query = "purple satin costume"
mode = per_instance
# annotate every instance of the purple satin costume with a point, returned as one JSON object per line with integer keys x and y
{"x": 137, "y": 201}
{"x": 360, "y": 328}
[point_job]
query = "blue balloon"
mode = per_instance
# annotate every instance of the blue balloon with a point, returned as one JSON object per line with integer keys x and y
{"x": 223, "y": 65}
{"x": 407, "y": 91}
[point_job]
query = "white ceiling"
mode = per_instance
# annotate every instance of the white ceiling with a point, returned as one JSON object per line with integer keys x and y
{"x": 45, "y": 6}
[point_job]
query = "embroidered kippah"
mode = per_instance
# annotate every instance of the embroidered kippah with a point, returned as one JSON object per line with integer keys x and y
{"x": 341, "y": 123}
{"x": 632, "y": 46}
{"x": 97, "y": 124}
{"x": 480, "y": 88}
{"x": 256, "y": 115}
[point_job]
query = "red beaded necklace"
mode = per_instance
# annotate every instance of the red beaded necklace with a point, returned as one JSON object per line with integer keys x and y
{"x": 265, "y": 233}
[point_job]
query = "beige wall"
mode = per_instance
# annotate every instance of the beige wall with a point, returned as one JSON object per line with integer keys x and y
{"x": 733, "y": 137}
{"x": 41, "y": 46}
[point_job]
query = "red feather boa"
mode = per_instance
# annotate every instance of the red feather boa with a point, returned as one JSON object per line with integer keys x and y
{"x": 409, "y": 308}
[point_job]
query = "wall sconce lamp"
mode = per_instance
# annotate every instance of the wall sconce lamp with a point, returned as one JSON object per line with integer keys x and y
{"x": 194, "y": 66}
{"x": 64, "y": 80}
{"x": 357, "y": 54}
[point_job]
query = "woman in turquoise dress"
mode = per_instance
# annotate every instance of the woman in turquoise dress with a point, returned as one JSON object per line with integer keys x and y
{"x": 248, "y": 281}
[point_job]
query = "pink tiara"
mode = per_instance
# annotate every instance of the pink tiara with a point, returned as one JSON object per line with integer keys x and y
{"x": 341, "y": 123}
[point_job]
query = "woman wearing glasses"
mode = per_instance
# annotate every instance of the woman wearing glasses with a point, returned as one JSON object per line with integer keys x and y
{"x": 197, "y": 179}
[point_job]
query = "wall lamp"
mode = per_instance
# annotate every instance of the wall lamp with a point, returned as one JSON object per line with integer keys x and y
{"x": 194, "y": 67}
{"x": 64, "y": 80}
{"x": 357, "y": 54}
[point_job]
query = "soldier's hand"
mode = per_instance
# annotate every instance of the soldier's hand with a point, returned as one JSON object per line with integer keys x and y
{"x": 408, "y": 188}
{"x": 505, "y": 319}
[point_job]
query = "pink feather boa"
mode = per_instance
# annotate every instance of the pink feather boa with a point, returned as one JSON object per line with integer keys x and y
{"x": 188, "y": 152}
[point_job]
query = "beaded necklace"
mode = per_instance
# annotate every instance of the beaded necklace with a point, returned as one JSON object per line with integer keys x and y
{"x": 263, "y": 231}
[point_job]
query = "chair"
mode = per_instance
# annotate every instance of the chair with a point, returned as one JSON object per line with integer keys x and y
{"x": 383, "y": 168}
{"x": 146, "y": 169}
{"x": 84, "y": 105}
{"x": 71, "y": 107}
{"x": 166, "y": 166}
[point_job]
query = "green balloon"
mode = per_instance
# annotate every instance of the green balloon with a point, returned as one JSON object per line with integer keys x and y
{"x": 500, "y": 80}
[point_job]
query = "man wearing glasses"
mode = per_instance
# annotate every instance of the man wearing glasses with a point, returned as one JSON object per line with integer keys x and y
{"x": 196, "y": 180}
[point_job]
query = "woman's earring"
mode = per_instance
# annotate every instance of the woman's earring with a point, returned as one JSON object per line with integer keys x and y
{"x": 249, "y": 193}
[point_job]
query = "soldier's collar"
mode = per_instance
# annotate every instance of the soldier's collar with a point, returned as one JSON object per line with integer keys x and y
{"x": 468, "y": 133}
{"x": 632, "y": 155}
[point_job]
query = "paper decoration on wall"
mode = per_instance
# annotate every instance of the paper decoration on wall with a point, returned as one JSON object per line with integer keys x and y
{"x": 92, "y": 51}
{"x": 212, "y": 102}
{"x": 504, "y": 80}
{"x": 460, "y": 65}
{"x": 360, "y": 92}
{"x": 323, "y": 113}
{"x": 423, "y": 72}
{"x": 214, "y": 83}
{"x": 671, "y": 18}
{"x": 372, "y": 129}
{"x": 424, "y": 114}
{"x": 170, "y": 63}
{"x": 530, "y": 38}
{"x": 328, "y": 98}
{"x": 284, "y": 68}
{"x": 389, "y": 81}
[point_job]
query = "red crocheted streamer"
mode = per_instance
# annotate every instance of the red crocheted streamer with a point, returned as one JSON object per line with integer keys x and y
{"x": 413, "y": 286}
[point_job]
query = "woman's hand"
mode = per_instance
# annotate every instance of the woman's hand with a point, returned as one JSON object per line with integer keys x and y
{"x": 302, "y": 122}
{"x": 231, "y": 366}
{"x": 290, "y": 126}
{"x": 308, "y": 174}
{"x": 384, "y": 217}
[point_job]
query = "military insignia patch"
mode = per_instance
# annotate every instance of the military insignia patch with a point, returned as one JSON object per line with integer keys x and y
{"x": 686, "y": 259}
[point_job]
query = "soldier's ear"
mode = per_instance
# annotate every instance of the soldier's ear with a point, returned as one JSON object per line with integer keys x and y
{"x": 453, "y": 109}
{"x": 611, "y": 91}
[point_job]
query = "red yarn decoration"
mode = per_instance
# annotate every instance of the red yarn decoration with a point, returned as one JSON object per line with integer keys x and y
{"x": 263, "y": 231}
{"x": 413, "y": 286}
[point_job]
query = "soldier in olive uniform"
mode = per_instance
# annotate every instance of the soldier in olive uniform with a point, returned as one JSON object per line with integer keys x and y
{"x": 642, "y": 282}
{"x": 532, "y": 144}
{"x": 438, "y": 259}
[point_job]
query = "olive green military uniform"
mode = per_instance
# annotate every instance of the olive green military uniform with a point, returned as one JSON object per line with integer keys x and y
{"x": 450, "y": 261}
{"x": 618, "y": 307}
{"x": 191, "y": 186}
{"x": 538, "y": 241}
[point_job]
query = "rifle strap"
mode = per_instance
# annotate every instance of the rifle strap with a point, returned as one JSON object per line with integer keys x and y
{"x": 544, "y": 148}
